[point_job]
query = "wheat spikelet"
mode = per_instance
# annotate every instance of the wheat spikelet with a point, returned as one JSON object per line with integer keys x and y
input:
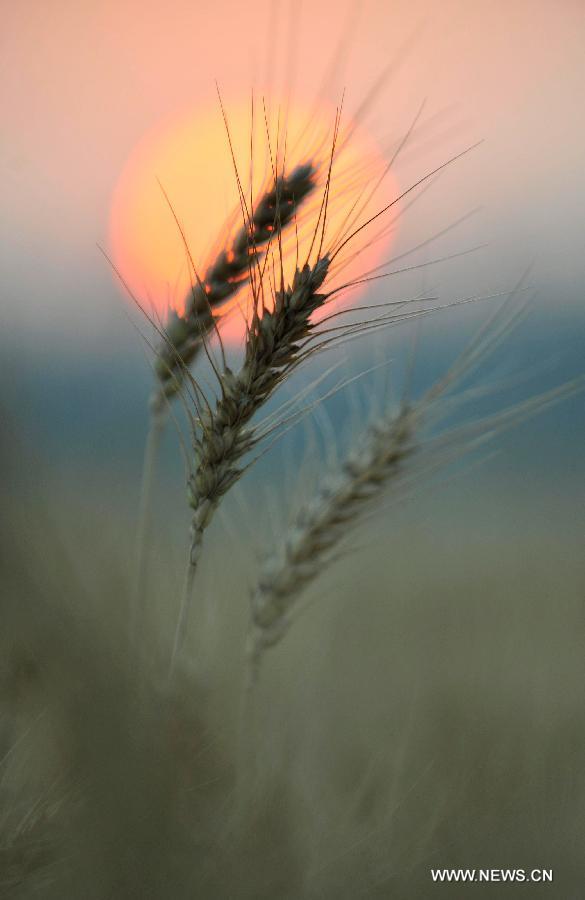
{"x": 184, "y": 334}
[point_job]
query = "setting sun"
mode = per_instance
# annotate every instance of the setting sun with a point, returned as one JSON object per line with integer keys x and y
{"x": 188, "y": 159}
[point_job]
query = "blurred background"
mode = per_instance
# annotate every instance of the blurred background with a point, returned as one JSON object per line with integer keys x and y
{"x": 450, "y": 695}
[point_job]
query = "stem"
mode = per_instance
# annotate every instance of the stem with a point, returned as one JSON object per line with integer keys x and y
{"x": 143, "y": 532}
{"x": 181, "y": 629}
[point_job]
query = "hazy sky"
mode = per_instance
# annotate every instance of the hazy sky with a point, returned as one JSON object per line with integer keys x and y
{"x": 83, "y": 82}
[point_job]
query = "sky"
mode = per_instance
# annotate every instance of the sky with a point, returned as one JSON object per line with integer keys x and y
{"x": 83, "y": 83}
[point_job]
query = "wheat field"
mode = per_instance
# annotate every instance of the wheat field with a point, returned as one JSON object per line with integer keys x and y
{"x": 291, "y": 561}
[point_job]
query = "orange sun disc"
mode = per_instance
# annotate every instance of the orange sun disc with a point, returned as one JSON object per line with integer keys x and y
{"x": 177, "y": 202}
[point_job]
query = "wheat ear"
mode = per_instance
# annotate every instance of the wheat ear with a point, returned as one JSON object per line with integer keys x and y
{"x": 223, "y": 435}
{"x": 185, "y": 334}
{"x": 323, "y": 522}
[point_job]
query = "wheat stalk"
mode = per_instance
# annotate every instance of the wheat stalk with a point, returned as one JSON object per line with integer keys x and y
{"x": 222, "y": 434}
{"x": 185, "y": 335}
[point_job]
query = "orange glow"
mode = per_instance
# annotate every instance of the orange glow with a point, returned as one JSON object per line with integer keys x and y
{"x": 189, "y": 158}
